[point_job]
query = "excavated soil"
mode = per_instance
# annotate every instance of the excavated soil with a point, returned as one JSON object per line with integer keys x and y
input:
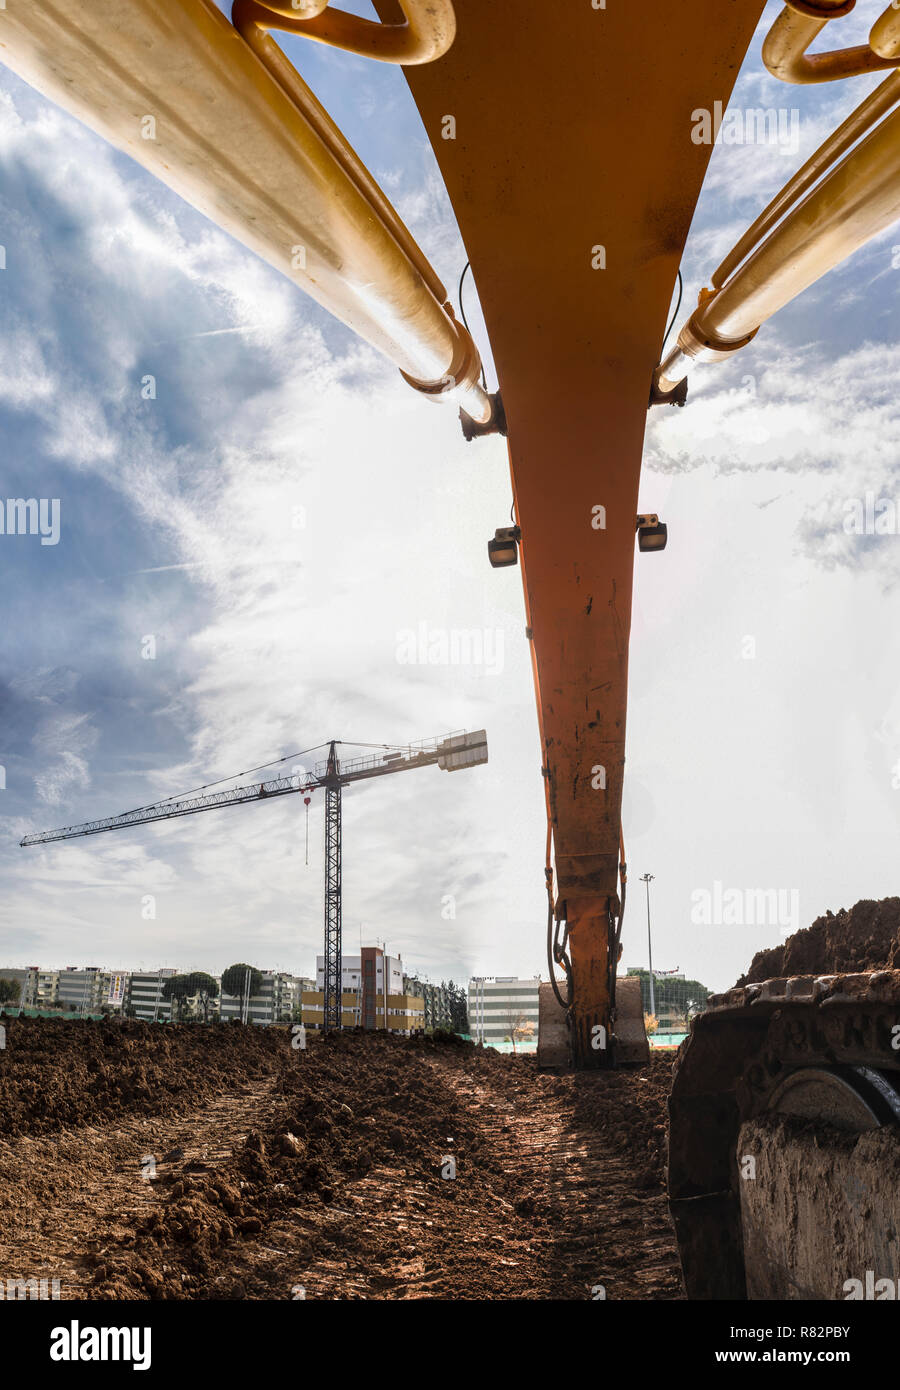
{"x": 865, "y": 937}
{"x": 57, "y": 1073}
{"x": 218, "y": 1162}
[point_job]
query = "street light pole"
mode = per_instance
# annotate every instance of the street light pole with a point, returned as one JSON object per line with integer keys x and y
{"x": 648, "y": 879}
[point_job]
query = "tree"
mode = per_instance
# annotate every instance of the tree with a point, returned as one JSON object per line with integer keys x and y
{"x": 459, "y": 1007}
{"x": 197, "y": 984}
{"x": 672, "y": 993}
{"x": 520, "y": 1025}
{"x": 651, "y": 1023}
{"x": 10, "y": 991}
{"x": 236, "y": 977}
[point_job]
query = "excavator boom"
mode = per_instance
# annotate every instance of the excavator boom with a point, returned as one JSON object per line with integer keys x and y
{"x": 574, "y": 177}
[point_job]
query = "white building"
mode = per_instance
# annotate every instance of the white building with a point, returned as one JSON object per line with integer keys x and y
{"x": 364, "y": 1001}
{"x": 82, "y": 991}
{"x": 277, "y": 1000}
{"x": 352, "y": 968}
{"x": 145, "y": 995}
{"x": 503, "y": 1006}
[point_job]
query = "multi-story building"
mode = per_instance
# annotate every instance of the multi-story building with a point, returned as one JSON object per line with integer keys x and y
{"x": 47, "y": 989}
{"x": 278, "y": 998}
{"x": 364, "y": 1001}
{"x": 503, "y": 1009}
{"x": 436, "y": 1001}
{"x": 144, "y": 996}
{"x": 27, "y": 979}
{"x": 81, "y": 991}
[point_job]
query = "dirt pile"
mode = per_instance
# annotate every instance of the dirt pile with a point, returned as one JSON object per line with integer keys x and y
{"x": 865, "y": 937}
{"x": 631, "y": 1108}
{"x": 55, "y": 1074}
{"x": 352, "y": 1103}
{"x": 394, "y": 1168}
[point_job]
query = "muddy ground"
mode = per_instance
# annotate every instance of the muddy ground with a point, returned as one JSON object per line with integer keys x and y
{"x": 865, "y": 937}
{"x": 217, "y": 1162}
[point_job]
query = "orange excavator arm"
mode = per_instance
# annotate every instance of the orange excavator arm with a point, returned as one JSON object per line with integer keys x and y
{"x": 572, "y": 170}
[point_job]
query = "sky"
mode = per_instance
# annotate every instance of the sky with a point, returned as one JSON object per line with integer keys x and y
{"x": 239, "y": 557}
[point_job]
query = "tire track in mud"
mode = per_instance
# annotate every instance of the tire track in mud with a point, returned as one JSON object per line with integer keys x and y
{"x": 331, "y": 1179}
{"x": 543, "y": 1206}
{"x": 601, "y": 1234}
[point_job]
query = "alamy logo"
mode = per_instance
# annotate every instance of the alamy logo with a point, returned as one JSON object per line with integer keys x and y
{"x": 877, "y": 1289}
{"x": 754, "y": 125}
{"x": 746, "y": 907}
{"x": 28, "y": 516}
{"x": 870, "y": 516}
{"x": 44, "y": 1289}
{"x": 77, "y": 1343}
{"x": 440, "y": 646}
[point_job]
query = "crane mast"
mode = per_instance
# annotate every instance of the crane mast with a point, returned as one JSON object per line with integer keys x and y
{"x": 451, "y": 753}
{"x": 332, "y": 1001}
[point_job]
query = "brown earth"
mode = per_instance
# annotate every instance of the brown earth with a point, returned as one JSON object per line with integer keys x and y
{"x": 217, "y": 1162}
{"x": 865, "y": 937}
{"x": 57, "y": 1073}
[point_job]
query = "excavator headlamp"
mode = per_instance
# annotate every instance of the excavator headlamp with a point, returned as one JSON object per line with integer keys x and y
{"x": 652, "y": 533}
{"x": 504, "y": 548}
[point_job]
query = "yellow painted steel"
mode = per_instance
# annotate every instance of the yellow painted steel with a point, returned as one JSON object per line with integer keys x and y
{"x": 286, "y": 75}
{"x": 572, "y": 170}
{"x": 855, "y": 200}
{"x": 173, "y": 84}
{"x": 864, "y": 118}
{"x": 885, "y": 35}
{"x": 799, "y": 25}
{"x": 425, "y": 32}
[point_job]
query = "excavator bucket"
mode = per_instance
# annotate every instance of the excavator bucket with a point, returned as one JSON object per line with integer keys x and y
{"x": 630, "y": 1046}
{"x": 553, "y": 1032}
{"x": 631, "y": 1035}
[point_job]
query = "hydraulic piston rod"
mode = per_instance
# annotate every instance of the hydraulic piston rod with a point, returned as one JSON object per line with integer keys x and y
{"x": 849, "y": 206}
{"x": 174, "y": 84}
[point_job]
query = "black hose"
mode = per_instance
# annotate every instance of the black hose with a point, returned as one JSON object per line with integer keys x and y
{"x": 556, "y": 956}
{"x": 674, "y": 315}
{"x": 616, "y": 938}
{"x": 462, "y": 310}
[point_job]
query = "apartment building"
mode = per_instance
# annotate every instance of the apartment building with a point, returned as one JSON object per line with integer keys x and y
{"x": 277, "y": 1001}
{"x": 27, "y": 979}
{"x": 503, "y": 1008}
{"x": 47, "y": 989}
{"x": 364, "y": 1002}
{"x": 435, "y": 999}
{"x": 144, "y": 995}
{"x": 82, "y": 991}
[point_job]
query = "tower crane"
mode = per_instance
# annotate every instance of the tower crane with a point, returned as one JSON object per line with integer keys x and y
{"x": 451, "y": 753}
